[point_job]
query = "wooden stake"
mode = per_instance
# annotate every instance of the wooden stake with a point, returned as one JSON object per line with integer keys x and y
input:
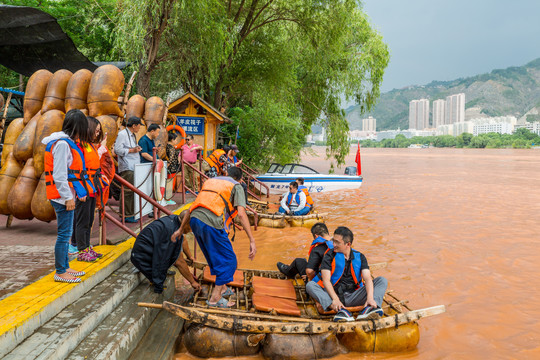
{"x": 9, "y": 220}
{"x": 127, "y": 91}
{"x": 5, "y": 114}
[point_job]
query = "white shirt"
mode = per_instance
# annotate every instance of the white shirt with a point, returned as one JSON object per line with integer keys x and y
{"x": 126, "y": 160}
{"x": 294, "y": 205}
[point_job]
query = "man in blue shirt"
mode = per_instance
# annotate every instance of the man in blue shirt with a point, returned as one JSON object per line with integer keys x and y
{"x": 147, "y": 143}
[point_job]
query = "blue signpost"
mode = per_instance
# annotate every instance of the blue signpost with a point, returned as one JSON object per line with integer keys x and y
{"x": 191, "y": 125}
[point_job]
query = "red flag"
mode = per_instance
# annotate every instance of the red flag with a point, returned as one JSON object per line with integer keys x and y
{"x": 358, "y": 161}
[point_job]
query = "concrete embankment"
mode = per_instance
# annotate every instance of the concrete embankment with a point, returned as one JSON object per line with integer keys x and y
{"x": 95, "y": 319}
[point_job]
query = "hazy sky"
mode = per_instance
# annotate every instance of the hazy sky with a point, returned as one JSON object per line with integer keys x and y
{"x": 448, "y": 39}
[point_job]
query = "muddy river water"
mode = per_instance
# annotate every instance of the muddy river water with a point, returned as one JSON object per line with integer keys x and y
{"x": 459, "y": 227}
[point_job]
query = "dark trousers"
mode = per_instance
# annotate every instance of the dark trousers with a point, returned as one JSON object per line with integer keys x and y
{"x": 129, "y": 196}
{"x": 82, "y": 222}
{"x": 298, "y": 266}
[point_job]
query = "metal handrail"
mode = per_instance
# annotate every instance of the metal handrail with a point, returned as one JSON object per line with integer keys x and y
{"x": 122, "y": 225}
{"x": 253, "y": 171}
{"x": 250, "y": 178}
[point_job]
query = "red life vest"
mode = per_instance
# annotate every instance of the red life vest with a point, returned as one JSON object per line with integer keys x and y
{"x": 309, "y": 199}
{"x": 93, "y": 167}
{"x": 215, "y": 196}
{"x": 338, "y": 269}
{"x": 77, "y": 176}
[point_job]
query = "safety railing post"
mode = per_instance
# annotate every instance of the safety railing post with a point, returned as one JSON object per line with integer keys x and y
{"x": 183, "y": 177}
{"x": 122, "y": 204}
{"x": 154, "y": 163}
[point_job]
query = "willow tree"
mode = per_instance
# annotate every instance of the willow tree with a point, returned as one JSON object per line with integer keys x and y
{"x": 277, "y": 66}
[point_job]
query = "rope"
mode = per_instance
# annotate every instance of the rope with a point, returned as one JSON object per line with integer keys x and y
{"x": 234, "y": 337}
{"x": 313, "y": 345}
{"x": 375, "y": 331}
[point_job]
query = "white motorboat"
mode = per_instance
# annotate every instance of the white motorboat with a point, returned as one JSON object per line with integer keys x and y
{"x": 279, "y": 176}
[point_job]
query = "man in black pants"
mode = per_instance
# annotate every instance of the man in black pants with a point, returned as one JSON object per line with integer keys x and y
{"x": 156, "y": 249}
{"x": 308, "y": 269}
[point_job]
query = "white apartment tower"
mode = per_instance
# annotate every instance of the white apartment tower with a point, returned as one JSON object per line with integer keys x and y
{"x": 419, "y": 114}
{"x": 455, "y": 108}
{"x": 369, "y": 124}
{"x": 439, "y": 113}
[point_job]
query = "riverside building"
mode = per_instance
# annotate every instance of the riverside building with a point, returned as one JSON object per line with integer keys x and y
{"x": 419, "y": 114}
{"x": 439, "y": 112}
{"x": 455, "y": 109}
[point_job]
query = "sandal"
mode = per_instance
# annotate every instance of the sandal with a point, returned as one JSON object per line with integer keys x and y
{"x": 228, "y": 293}
{"x": 70, "y": 281}
{"x": 222, "y": 303}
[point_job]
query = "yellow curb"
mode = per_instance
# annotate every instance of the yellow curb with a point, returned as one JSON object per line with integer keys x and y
{"x": 28, "y": 302}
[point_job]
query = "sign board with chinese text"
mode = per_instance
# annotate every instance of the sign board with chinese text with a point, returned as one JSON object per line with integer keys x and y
{"x": 191, "y": 124}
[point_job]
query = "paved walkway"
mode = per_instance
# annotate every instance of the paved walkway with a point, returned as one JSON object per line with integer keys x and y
{"x": 27, "y": 248}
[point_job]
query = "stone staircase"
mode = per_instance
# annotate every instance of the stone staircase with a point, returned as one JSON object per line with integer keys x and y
{"x": 103, "y": 323}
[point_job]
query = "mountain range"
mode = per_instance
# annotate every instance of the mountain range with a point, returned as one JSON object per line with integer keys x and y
{"x": 511, "y": 91}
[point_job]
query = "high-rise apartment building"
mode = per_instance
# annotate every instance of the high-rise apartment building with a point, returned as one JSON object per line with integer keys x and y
{"x": 419, "y": 114}
{"x": 369, "y": 124}
{"x": 439, "y": 113}
{"x": 455, "y": 108}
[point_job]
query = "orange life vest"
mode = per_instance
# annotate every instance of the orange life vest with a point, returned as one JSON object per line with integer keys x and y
{"x": 77, "y": 176}
{"x": 309, "y": 200}
{"x": 93, "y": 167}
{"x": 338, "y": 269}
{"x": 215, "y": 196}
{"x": 214, "y": 159}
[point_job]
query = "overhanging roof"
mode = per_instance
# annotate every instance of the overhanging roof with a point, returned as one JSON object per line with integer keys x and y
{"x": 31, "y": 39}
{"x": 190, "y": 95}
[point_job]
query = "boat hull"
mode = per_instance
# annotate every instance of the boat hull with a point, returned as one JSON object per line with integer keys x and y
{"x": 278, "y": 184}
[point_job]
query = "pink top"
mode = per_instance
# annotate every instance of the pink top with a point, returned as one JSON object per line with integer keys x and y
{"x": 189, "y": 156}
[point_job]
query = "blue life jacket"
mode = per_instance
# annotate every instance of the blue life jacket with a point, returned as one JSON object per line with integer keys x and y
{"x": 338, "y": 267}
{"x": 296, "y": 198}
{"x": 319, "y": 241}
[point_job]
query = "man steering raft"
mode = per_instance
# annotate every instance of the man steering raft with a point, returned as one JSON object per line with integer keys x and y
{"x": 345, "y": 281}
{"x": 294, "y": 201}
{"x": 220, "y": 200}
{"x": 308, "y": 269}
{"x": 159, "y": 245}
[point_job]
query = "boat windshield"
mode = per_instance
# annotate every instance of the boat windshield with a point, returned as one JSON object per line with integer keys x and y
{"x": 275, "y": 168}
{"x": 297, "y": 169}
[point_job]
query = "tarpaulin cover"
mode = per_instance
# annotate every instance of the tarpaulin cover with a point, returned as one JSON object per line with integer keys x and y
{"x": 31, "y": 39}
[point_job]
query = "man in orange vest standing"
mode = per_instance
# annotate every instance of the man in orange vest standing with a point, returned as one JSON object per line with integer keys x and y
{"x": 345, "y": 281}
{"x": 220, "y": 200}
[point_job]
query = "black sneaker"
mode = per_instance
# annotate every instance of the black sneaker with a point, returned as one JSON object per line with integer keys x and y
{"x": 370, "y": 312}
{"x": 343, "y": 315}
{"x": 284, "y": 269}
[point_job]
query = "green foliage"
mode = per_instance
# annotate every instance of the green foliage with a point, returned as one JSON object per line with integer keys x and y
{"x": 298, "y": 57}
{"x": 533, "y": 118}
{"x": 522, "y": 138}
{"x": 88, "y": 23}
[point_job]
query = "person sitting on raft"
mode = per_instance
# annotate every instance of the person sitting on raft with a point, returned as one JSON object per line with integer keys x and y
{"x": 308, "y": 269}
{"x": 220, "y": 200}
{"x": 305, "y": 190}
{"x": 345, "y": 281}
{"x": 294, "y": 201}
{"x": 159, "y": 245}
